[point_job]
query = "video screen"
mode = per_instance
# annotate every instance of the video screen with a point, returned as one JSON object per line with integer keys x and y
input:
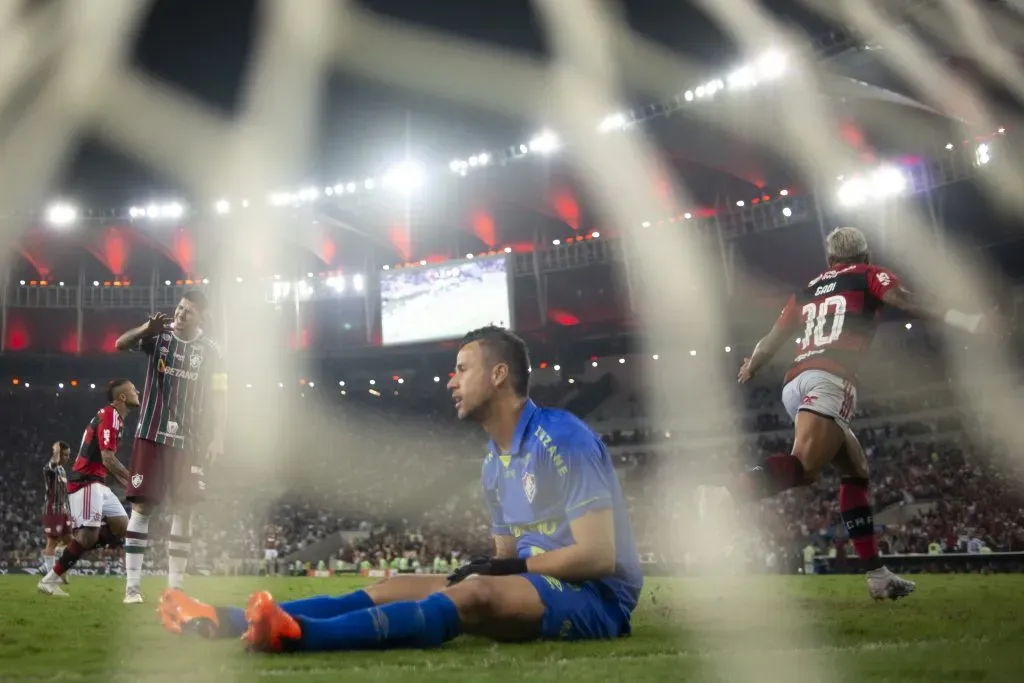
{"x": 445, "y": 301}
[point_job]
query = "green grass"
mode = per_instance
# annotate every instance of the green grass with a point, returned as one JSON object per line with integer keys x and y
{"x": 955, "y": 628}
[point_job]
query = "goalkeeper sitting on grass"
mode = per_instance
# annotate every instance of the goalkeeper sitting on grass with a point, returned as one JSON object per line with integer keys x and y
{"x": 565, "y": 566}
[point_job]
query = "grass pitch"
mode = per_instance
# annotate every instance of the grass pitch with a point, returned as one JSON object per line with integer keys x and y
{"x": 955, "y": 628}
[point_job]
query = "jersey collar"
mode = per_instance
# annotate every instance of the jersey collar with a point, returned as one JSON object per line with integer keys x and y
{"x": 529, "y": 410}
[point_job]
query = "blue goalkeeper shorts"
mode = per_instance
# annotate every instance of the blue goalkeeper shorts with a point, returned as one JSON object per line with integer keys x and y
{"x": 579, "y": 611}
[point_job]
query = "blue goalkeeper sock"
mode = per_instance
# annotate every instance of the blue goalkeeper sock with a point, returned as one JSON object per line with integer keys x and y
{"x": 328, "y": 606}
{"x": 233, "y": 623}
{"x": 424, "y": 624}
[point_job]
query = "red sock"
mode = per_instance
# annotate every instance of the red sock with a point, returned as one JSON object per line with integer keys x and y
{"x": 779, "y": 473}
{"x": 855, "y": 509}
{"x": 72, "y": 553}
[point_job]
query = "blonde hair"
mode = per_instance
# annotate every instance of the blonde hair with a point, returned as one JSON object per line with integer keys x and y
{"x": 846, "y": 244}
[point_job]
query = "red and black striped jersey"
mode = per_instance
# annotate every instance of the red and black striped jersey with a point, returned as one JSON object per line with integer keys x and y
{"x": 838, "y": 314}
{"x": 103, "y": 434}
{"x": 56, "y": 481}
{"x": 179, "y": 377}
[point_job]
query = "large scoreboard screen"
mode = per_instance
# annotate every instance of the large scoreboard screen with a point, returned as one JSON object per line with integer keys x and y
{"x": 444, "y": 301}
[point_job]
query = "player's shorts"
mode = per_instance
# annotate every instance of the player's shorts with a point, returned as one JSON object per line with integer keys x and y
{"x": 159, "y": 472}
{"x": 821, "y": 393}
{"x": 269, "y": 554}
{"x": 56, "y": 526}
{"x": 91, "y": 504}
{"x": 579, "y": 611}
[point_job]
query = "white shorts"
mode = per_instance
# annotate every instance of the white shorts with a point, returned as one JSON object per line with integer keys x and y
{"x": 269, "y": 554}
{"x": 91, "y": 504}
{"x": 821, "y": 393}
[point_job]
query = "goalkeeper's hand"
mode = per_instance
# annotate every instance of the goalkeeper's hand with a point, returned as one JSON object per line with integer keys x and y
{"x": 488, "y": 566}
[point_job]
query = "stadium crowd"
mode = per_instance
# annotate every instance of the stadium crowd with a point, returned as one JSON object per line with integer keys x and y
{"x": 935, "y": 488}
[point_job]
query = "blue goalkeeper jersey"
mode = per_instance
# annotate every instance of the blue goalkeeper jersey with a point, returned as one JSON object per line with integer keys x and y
{"x": 558, "y": 470}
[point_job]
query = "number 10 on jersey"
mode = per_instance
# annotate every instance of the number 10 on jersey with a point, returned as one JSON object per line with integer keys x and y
{"x": 817, "y": 315}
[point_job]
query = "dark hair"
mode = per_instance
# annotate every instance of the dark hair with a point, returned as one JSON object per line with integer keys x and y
{"x": 113, "y": 386}
{"x": 505, "y": 347}
{"x": 197, "y": 298}
{"x": 63, "y": 446}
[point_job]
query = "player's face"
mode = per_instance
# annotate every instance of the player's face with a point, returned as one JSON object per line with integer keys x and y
{"x": 471, "y": 385}
{"x": 61, "y": 455}
{"x": 130, "y": 395}
{"x": 186, "y": 316}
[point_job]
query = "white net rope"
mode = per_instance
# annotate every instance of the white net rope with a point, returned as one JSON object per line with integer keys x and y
{"x": 65, "y": 71}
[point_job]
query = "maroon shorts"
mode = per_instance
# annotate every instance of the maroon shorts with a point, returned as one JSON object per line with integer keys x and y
{"x": 159, "y": 472}
{"x": 56, "y": 526}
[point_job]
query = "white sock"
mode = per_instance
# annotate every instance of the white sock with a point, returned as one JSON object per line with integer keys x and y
{"x": 48, "y": 561}
{"x": 179, "y": 546}
{"x": 135, "y": 548}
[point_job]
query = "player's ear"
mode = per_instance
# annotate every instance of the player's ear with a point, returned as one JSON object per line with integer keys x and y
{"x": 499, "y": 374}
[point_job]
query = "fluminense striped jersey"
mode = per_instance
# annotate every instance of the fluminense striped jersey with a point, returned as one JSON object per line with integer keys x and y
{"x": 56, "y": 489}
{"x": 178, "y": 380}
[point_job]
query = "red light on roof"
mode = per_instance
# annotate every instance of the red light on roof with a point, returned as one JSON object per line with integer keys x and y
{"x": 15, "y": 381}
{"x": 74, "y": 382}
{"x": 542, "y": 365}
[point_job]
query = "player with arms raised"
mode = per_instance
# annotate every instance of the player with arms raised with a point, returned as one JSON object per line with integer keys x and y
{"x": 835, "y": 317}
{"x": 96, "y": 514}
{"x": 56, "y": 520}
{"x": 565, "y": 567}
{"x": 184, "y": 377}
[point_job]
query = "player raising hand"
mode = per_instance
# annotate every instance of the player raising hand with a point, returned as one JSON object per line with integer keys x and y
{"x": 835, "y": 317}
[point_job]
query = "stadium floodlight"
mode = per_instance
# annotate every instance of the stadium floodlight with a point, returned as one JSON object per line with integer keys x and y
{"x": 693, "y": 352}
{"x": 329, "y": 191}
{"x": 152, "y": 211}
{"x": 341, "y": 383}
{"x": 60, "y": 385}
{"x": 357, "y": 282}
{"x": 612, "y": 122}
{"x": 728, "y": 349}
{"x": 544, "y": 143}
{"x": 654, "y": 357}
{"x": 369, "y": 183}
{"x": 469, "y": 256}
{"x": 771, "y": 64}
{"x": 423, "y": 262}
{"x": 309, "y": 194}
{"x": 456, "y": 165}
{"x": 783, "y": 193}
{"x": 92, "y": 386}
{"x": 436, "y": 378}
{"x": 508, "y": 250}
{"x": 595, "y": 234}
{"x": 556, "y": 242}
{"x": 222, "y": 206}
{"x": 982, "y": 155}
{"x": 405, "y": 176}
{"x": 556, "y": 367}
{"x": 645, "y": 224}
{"x": 740, "y": 203}
{"x": 621, "y": 361}
{"x": 339, "y": 188}
{"x": 167, "y": 283}
{"x": 336, "y": 283}
{"x": 787, "y": 212}
{"x": 279, "y": 199}
{"x": 61, "y": 214}
{"x": 350, "y": 187}
{"x": 687, "y": 215}
{"x": 688, "y": 96}
{"x": 21, "y": 282}
{"x": 484, "y": 158}
{"x": 95, "y": 283}
{"x": 949, "y": 145}
{"x": 172, "y": 210}
{"x": 699, "y": 91}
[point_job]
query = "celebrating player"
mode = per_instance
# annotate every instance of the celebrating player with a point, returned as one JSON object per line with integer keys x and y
{"x": 836, "y": 318}
{"x": 184, "y": 364}
{"x": 565, "y": 566}
{"x": 96, "y": 514}
{"x": 56, "y": 521}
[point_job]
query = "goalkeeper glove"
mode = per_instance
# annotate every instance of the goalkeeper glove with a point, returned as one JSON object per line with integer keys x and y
{"x": 488, "y": 567}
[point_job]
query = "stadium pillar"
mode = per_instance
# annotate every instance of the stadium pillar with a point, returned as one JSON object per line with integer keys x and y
{"x": 727, "y": 251}
{"x": 4, "y": 283}
{"x": 152, "y": 291}
{"x": 369, "y": 309}
{"x": 542, "y": 286}
{"x": 79, "y": 311}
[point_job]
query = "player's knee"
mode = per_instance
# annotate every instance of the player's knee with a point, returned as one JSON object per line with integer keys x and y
{"x": 87, "y": 536}
{"x": 477, "y": 599}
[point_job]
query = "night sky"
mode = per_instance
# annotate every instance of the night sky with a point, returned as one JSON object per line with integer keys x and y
{"x": 202, "y": 47}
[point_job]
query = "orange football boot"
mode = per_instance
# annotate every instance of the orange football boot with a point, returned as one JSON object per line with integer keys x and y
{"x": 181, "y": 614}
{"x": 270, "y": 627}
